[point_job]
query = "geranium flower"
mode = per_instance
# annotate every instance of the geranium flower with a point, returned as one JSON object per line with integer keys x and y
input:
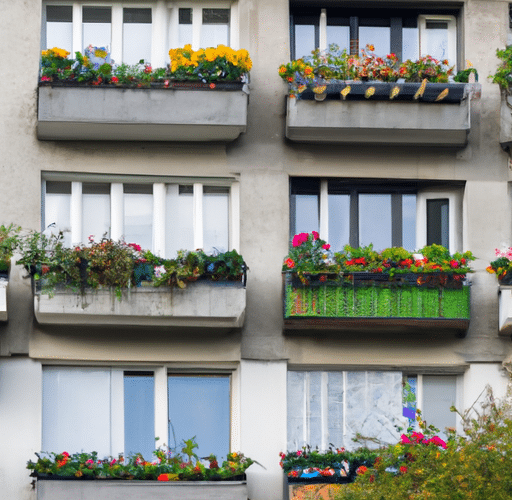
{"x": 290, "y": 263}
{"x": 403, "y": 469}
{"x": 315, "y": 235}
{"x": 326, "y": 246}
{"x": 361, "y": 470}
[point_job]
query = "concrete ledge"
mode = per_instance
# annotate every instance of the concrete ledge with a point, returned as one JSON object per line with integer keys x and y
{"x": 4, "y": 285}
{"x": 123, "y": 114}
{"x": 505, "y": 311}
{"x": 379, "y": 122}
{"x": 135, "y": 490}
{"x": 200, "y": 304}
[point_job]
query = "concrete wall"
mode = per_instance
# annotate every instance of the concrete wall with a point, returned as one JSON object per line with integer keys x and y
{"x": 264, "y": 161}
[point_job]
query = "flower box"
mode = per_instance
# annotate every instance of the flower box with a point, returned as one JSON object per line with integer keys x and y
{"x": 104, "y": 489}
{"x": 506, "y": 120}
{"x": 201, "y": 304}
{"x": 379, "y": 120}
{"x": 4, "y": 285}
{"x": 505, "y": 310}
{"x": 109, "y": 113}
{"x": 373, "y": 300}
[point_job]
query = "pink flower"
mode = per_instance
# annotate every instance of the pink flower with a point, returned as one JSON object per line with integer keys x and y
{"x": 405, "y": 439}
{"x": 437, "y": 441}
{"x": 166, "y": 83}
{"x": 299, "y": 239}
{"x": 315, "y": 235}
{"x": 326, "y": 246}
{"x": 46, "y": 79}
{"x": 299, "y": 453}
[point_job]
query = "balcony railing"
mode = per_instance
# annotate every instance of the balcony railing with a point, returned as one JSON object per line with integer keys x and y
{"x": 375, "y": 118}
{"x": 202, "y": 304}
{"x": 184, "y": 112}
{"x": 369, "y": 301}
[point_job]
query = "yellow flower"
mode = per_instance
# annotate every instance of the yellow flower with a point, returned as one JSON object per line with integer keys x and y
{"x": 210, "y": 54}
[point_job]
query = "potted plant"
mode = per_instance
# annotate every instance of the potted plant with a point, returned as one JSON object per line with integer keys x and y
{"x": 502, "y": 266}
{"x": 9, "y": 241}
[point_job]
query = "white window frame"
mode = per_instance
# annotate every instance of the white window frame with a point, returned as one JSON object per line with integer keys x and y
{"x": 159, "y": 222}
{"x": 161, "y": 377}
{"x": 452, "y": 34}
{"x": 164, "y": 26}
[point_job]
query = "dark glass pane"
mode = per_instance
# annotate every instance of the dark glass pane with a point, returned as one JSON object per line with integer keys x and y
{"x": 56, "y": 187}
{"x": 185, "y": 16}
{"x": 59, "y": 14}
{"x": 215, "y": 16}
{"x": 138, "y": 16}
{"x": 437, "y": 222}
{"x": 97, "y": 15}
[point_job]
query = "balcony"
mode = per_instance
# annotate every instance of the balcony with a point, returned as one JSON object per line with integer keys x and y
{"x": 505, "y": 310}
{"x": 407, "y": 303}
{"x": 202, "y": 304}
{"x": 148, "y": 490}
{"x": 4, "y": 285}
{"x": 506, "y": 120}
{"x": 182, "y": 112}
{"x": 380, "y": 120}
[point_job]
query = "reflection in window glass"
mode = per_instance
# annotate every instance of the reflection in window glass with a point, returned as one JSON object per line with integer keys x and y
{"x": 215, "y": 219}
{"x": 97, "y": 27}
{"x": 304, "y": 40}
{"x": 339, "y": 221}
{"x": 185, "y": 27}
{"x": 57, "y": 209}
{"x": 95, "y": 211}
{"x": 139, "y": 414}
{"x": 410, "y": 44}
{"x": 200, "y": 406}
{"x": 59, "y": 27}
{"x": 378, "y": 36}
{"x": 306, "y": 213}
{"x": 375, "y": 220}
{"x": 339, "y": 35}
{"x": 136, "y": 35}
{"x": 215, "y": 27}
{"x": 438, "y": 222}
{"x": 409, "y": 221}
{"x": 439, "y": 395}
{"x": 138, "y": 215}
{"x": 179, "y": 206}
{"x": 435, "y": 40}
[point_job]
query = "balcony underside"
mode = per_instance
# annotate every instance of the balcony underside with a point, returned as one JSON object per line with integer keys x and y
{"x": 121, "y": 114}
{"x": 203, "y": 305}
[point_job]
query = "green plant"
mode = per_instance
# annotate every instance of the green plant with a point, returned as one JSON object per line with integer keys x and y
{"x": 9, "y": 242}
{"x": 462, "y": 76}
{"x": 502, "y": 265}
{"x": 503, "y": 74}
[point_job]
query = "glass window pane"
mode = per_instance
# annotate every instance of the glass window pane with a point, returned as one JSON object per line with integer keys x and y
{"x": 375, "y": 220}
{"x": 410, "y": 44}
{"x": 439, "y": 394}
{"x": 215, "y": 27}
{"x": 59, "y": 27}
{"x": 95, "y": 211}
{"x": 339, "y": 221}
{"x": 304, "y": 40}
{"x": 215, "y": 219}
{"x": 306, "y": 213}
{"x": 96, "y": 27}
{"x": 138, "y": 215}
{"x": 200, "y": 406}
{"x": 438, "y": 222}
{"x": 76, "y": 420}
{"x": 139, "y": 415}
{"x": 409, "y": 221}
{"x": 185, "y": 27}
{"x": 57, "y": 209}
{"x": 378, "y": 36}
{"x": 435, "y": 40}
{"x": 340, "y": 35}
{"x": 179, "y": 234}
{"x": 136, "y": 35}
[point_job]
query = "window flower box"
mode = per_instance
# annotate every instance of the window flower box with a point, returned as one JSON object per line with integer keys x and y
{"x": 506, "y": 120}
{"x": 187, "y": 113}
{"x": 505, "y": 310}
{"x": 372, "y": 300}
{"x": 4, "y": 285}
{"x": 201, "y": 304}
{"x": 106, "y": 489}
{"x": 368, "y": 114}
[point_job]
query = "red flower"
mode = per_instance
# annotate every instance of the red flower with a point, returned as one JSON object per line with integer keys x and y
{"x": 166, "y": 83}
{"x": 115, "y": 79}
{"x": 212, "y": 85}
{"x": 290, "y": 263}
{"x": 326, "y": 246}
{"x": 299, "y": 239}
{"x": 163, "y": 477}
{"x": 361, "y": 470}
{"x": 372, "y": 478}
{"x": 403, "y": 469}
{"x": 46, "y": 79}
{"x": 315, "y": 235}
{"x": 463, "y": 261}
{"x": 454, "y": 264}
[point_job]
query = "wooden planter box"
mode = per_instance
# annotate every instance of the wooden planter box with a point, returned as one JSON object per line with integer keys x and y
{"x": 203, "y": 304}
{"x": 369, "y": 301}
{"x": 104, "y": 489}
{"x": 99, "y": 113}
{"x": 381, "y": 121}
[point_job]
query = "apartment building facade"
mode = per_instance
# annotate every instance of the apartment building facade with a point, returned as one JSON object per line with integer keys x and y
{"x": 245, "y": 171}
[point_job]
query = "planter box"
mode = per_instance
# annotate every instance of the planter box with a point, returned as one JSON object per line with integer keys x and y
{"x": 381, "y": 121}
{"x": 201, "y": 304}
{"x": 136, "y": 490}
{"x": 141, "y": 114}
{"x": 506, "y": 121}
{"x": 505, "y": 310}
{"x": 373, "y": 301}
{"x": 4, "y": 285}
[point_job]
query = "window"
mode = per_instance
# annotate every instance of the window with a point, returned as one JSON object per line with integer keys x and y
{"x": 409, "y": 33}
{"x": 397, "y": 213}
{"x": 164, "y": 216}
{"x": 120, "y": 410}
{"x": 145, "y": 31}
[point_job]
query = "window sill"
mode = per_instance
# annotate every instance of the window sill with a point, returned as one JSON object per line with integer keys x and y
{"x": 381, "y": 121}
{"x": 200, "y": 304}
{"x": 141, "y": 114}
